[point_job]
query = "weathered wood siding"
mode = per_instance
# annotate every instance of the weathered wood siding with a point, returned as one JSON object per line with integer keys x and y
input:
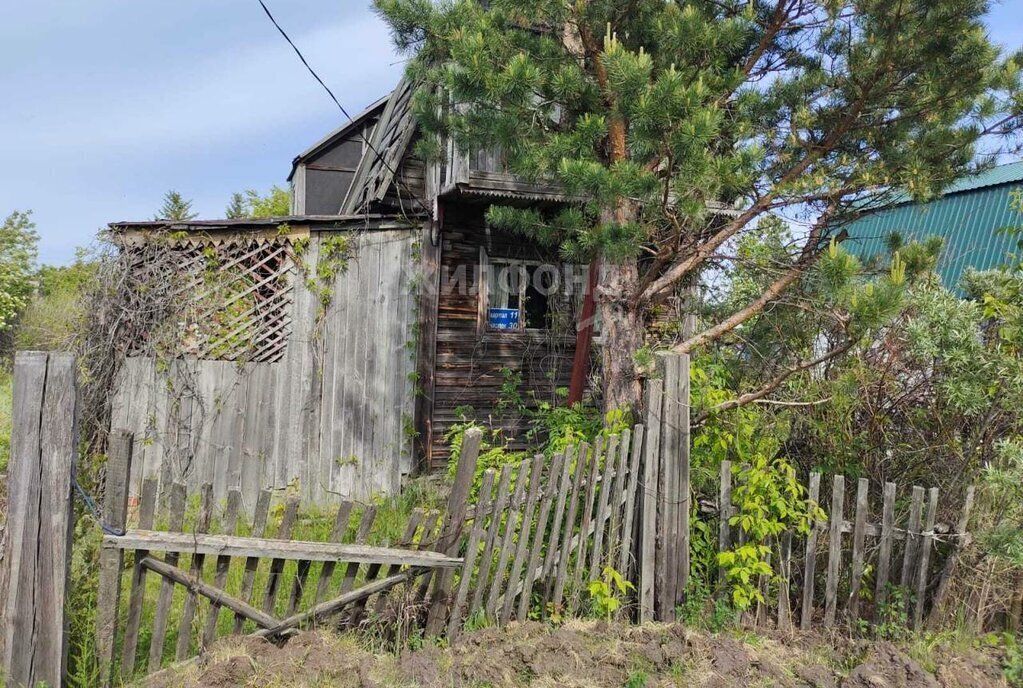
{"x": 331, "y": 415}
{"x": 470, "y": 362}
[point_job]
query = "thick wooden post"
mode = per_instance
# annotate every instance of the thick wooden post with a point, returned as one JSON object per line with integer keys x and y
{"x": 115, "y": 512}
{"x": 650, "y": 489}
{"x": 44, "y": 440}
{"x": 454, "y": 521}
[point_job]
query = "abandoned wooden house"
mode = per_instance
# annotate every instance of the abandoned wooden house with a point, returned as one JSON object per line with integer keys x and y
{"x": 335, "y": 348}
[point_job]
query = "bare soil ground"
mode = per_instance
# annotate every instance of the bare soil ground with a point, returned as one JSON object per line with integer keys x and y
{"x": 584, "y": 654}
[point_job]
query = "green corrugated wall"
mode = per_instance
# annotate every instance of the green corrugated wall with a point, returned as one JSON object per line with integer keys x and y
{"x": 969, "y": 222}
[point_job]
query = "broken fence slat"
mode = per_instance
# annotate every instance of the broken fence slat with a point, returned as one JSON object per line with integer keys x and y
{"x": 337, "y": 604}
{"x": 172, "y": 575}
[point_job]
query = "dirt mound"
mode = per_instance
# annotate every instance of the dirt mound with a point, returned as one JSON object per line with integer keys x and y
{"x": 586, "y": 654}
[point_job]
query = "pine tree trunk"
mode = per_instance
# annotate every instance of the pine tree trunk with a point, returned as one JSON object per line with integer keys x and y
{"x": 621, "y": 333}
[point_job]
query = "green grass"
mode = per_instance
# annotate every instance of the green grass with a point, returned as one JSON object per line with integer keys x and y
{"x": 6, "y": 400}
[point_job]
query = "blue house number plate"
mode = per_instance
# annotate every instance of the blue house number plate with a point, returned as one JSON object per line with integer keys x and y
{"x": 503, "y": 318}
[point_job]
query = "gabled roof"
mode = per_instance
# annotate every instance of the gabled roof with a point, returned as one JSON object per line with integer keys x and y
{"x": 387, "y": 146}
{"x": 341, "y": 132}
{"x": 1002, "y": 174}
{"x": 969, "y": 216}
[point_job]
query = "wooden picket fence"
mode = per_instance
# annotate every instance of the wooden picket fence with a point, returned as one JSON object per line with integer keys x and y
{"x": 538, "y": 533}
{"x": 564, "y": 524}
{"x": 350, "y": 572}
{"x": 900, "y": 553}
{"x": 512, "y": 541}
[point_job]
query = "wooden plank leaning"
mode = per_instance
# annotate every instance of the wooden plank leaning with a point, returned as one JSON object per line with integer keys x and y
{"x": 535, "y": 479}
{"x": 960, "y": 538}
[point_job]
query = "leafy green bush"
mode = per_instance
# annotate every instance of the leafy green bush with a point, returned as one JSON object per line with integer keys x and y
{"x": 770, "y": 501}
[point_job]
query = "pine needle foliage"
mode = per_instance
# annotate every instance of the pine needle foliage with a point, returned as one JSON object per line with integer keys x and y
{"x": 656, "y": 114}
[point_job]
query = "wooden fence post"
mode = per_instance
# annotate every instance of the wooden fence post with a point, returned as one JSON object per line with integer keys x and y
{"x": 651, "y": 482}
{"x": 115, "y": 512}
{"x": 454, "y": 521}
{"x": 925, "y": 557}
{"x": 810, "y": 559}
{"x": 835, "y": 519}
{"x": 684, "y": 480}
{"x": 44, "y": 440}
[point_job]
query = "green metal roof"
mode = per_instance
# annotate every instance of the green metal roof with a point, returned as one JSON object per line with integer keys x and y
{"x": 968, "y": 217}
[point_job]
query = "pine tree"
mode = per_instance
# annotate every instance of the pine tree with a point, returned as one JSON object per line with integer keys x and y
{"x": 657, "y": 114}
{"x": 275, "y": 203}
{"x": 176, "y": 208}
{"x": 236, "y": 209}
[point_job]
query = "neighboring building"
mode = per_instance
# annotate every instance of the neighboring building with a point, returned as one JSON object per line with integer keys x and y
{"x": 969, "y": 216}
{"x": 345, "y": 383}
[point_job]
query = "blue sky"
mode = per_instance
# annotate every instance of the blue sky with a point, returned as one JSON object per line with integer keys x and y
{"x": 107, "y": 104}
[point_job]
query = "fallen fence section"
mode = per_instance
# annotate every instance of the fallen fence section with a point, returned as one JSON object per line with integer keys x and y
{"x": 214, "y": 584}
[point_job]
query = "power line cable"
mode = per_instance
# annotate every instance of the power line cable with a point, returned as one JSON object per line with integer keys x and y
{"x": 280, "y": 29}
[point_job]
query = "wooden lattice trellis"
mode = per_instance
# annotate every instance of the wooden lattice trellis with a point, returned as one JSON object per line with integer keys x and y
{"x": 225, "y": 300}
